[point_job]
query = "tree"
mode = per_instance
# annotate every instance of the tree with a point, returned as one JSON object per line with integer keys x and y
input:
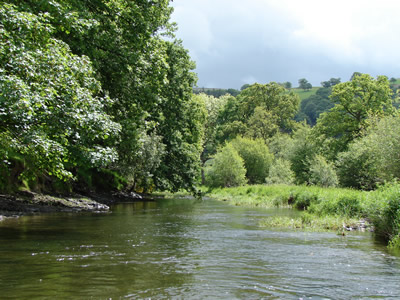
{"x": 262, "y": 124}
{"x": 287, "y": 85}
{"x": 256, "y": 156}
{"x": 245, "y": 86}
{"x": 355, "y": 102}
{"x": 304, "y": 84}
{"x": 280, "y": 173}
{"x": 313, "y": 106}
{"x": 330, "y": 83}
{"x": 322, "y": 172}
{"x": 273, "y": 98}
{"x": 301, "y": 153}
{"x": 227, "y": 169}
{"x": 52, "y": 118}
{"x": 374, "y": 158}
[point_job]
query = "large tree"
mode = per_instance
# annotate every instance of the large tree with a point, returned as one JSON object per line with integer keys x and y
{"x": 355, "y": 102}
{"x": 147, "y": 78}
{"x": 52, "y": 117}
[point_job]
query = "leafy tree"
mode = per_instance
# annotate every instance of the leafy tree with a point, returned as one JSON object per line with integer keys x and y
{"x": 287, "y": 85}
{"x": 304, "y": 84}
{"x": 262, "y": 124}
{"x": 355, "y": 102}
{"x": 213, "y": 107}
{"x": 322, "y": 173}
{"x": 354, "y": 75}
{"x": 374, "y": 158}
{"x": 273, "y": 98}
{"x": 245, "y": 86}
{"x": 256, "y": 156}
{"x": 330, "y": 83}
{"x": 312, "y": 107}
{"x": 227, "y": 169}
{"x": 301, "y": 153}
{"x": 280, "y": 173}
{"x": 148, "y": 77}
{"x": 280, "y": 145}
{"x": 52, "y": 118}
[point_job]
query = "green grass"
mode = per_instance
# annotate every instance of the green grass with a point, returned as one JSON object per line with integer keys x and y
{"x": 305, "y": 94}
{"x": 311, "y": 223}
{"x": 324, "y": 208}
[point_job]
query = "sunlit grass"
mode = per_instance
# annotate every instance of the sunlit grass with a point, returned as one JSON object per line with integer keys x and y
{"x": 305, "y": 94}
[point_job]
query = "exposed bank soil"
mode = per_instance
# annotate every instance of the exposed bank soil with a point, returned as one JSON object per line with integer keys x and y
{"x": 27, "y": 203}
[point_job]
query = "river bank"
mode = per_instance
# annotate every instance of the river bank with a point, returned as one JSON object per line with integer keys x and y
{"x": 27, "y": 203}
{"x": 325, "y": 208}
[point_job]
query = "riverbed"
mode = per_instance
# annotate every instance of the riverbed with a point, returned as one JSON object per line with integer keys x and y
{"x": 187, "y": 249}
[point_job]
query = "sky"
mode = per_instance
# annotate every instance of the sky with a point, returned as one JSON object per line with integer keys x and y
{"x": 237, "y": 42}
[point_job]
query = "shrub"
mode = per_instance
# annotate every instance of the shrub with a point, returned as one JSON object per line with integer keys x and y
{"x": 302, "y": 150}
{"x": 322, "y": 173}
{"x": 383, "y": 209}
{"x": 227, "y": 169}
{"x": 280, "y": 173}
{"x": 256, "y": 156}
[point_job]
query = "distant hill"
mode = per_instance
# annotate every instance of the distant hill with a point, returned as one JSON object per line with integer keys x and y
{"x": 305, "y": 94}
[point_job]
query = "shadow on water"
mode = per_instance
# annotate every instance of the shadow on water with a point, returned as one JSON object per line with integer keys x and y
{"x": 187, "y": 249}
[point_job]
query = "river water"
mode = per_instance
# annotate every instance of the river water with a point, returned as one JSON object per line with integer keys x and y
{"x": 187, "y": 249}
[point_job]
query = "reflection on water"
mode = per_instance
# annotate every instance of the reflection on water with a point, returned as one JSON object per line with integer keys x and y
{"x": 186, "y": 249}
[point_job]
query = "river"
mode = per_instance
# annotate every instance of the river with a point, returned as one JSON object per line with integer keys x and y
{"x": 187, "y": 249}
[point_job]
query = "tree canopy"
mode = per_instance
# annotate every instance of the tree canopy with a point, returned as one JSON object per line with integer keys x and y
{"x": 355, "y": 102}
{"x": 94, "y": 84}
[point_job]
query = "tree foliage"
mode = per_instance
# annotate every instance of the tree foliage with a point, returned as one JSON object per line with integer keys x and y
{"x": 51, "y": 108}
{"x": 227, "y": 169}
{"x": 95, "y": 84}
{"x": 355, "y": 102}
{"x": 256, "y": 156}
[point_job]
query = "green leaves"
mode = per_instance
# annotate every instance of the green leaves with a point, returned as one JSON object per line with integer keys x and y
{"x": 50, "y": 108}
{"x": 355, "y": 102}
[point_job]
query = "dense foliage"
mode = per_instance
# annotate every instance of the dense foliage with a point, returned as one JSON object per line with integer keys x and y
{"x": 93, "y": 87}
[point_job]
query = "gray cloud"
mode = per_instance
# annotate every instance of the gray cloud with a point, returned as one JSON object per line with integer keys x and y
{"x": 235, "y": 42}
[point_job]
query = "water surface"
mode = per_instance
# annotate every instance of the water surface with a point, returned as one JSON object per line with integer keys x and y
{"x": 187, "y": 249}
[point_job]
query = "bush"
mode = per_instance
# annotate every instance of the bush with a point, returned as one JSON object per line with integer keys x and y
{"x": 256, "y": 156}
{"x": 227, "y": 169}
{"x": 280, "y": 173}
{"x": 322, "y": 173}
{"x": 374, "y": 158}
{"x": 302, "y": 150}
{"x": 384, "y": 210}
{"x": 357, "y": 168}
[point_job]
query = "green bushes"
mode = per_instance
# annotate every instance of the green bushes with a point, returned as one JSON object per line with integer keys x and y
{"x": 326, "y": 207}
{"x": 322, "y": 173}
{"x": 256, "y": 156}
{"x": 384, "y": 211}
{"x": 280, "y": 173}
{"x": 227, "y": 169}
{"x": 239, "y": 161}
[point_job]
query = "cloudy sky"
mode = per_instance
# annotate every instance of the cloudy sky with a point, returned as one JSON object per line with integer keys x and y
{"x": 235, "y": 42}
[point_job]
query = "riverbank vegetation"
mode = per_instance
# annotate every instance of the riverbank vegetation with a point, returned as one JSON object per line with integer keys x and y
{"x": 95, "y": 95}
{"x": 341, "y": 165}
{"x": 98, "y": 95}
{"x": 338, "y": 209}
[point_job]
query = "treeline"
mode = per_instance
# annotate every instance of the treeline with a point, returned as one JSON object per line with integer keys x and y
{"x": 216, "y": 92}
{"x": 254, "y": 138}
{"x": 96, "y": 94}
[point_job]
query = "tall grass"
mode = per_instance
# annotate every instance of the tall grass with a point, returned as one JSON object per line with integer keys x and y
{"x": 328, "y": 208}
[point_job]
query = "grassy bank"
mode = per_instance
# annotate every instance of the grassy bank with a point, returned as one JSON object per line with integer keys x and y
{"x": 325, "y": 208}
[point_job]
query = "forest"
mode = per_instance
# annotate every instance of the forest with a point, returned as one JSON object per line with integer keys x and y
{"x": 98, "y": 95}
